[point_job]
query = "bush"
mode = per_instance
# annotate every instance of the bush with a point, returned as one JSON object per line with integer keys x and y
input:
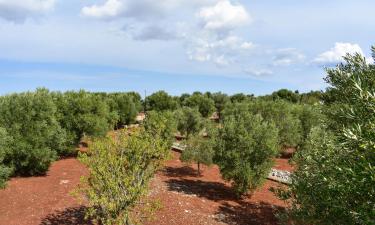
{"x": 120, "y": 171}
{"x": 334, "y": 181}
{"x": 37, "y": 138}
{"x": 244, "y": 150}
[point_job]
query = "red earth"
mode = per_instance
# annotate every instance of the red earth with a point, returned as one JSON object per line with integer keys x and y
{"x": 185, "y": 197}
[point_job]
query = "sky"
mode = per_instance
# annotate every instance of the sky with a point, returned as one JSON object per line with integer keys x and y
{"x": 180, "y": 46}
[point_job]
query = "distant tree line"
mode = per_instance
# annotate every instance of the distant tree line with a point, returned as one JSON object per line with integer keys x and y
{"x": 38, "y": 127}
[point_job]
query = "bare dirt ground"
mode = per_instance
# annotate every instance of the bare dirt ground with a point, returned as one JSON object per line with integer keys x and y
{"x": 185, "y": 198}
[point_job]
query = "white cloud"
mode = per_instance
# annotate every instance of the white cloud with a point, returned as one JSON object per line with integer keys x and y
{"x": 20, "y": 10}
{"x": 140, "y": 9}
{"x": 335, "y": 54}
{"x": 224, "y": 16}
{"x": 287, "y": 56}
{"x": 222, "y": 52}
{"x": 111, "y": 8}
{"x": 258, "y": 72}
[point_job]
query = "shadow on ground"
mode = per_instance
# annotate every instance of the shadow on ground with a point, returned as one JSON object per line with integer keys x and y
{"x": 246, "y": 213}
{"x": 185, "y": 171}
{"x": 70, "y": 216}
{"x": 232, "y": 210}
{"x": 215, "y": 191}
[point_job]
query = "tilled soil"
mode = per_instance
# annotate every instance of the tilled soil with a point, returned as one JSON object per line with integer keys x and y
{"x": 185, "y": 197}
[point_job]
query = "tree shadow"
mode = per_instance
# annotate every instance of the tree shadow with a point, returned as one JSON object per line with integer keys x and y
{"x": 247, "y": 213}
{"x": 215, "y": 191}
{"x": 69, "y": 216}
{"x": 185, "y": 171}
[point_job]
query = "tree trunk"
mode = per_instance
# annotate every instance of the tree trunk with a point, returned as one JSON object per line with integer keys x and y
{"x": 199, "y": 169}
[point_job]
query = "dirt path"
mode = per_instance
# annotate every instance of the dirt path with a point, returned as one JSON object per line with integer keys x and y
{"x": 34, "y": 200}
{"x": 185, "y": 198}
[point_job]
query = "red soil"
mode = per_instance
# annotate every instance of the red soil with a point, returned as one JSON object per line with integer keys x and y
{"x": 185, "y": 198}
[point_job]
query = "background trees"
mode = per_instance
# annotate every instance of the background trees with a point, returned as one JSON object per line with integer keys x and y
{"x": 205, "y": 105}
{"x": 189, "y": 121}
{"x": 161, "y": 101}
{"x": 334, "y": 182}
{"x": 82, "y": 113}
{"x": 245, "y": 148}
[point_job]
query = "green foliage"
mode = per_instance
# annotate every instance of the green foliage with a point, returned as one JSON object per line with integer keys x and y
{"x": 334, "y": 182}
{"x": 205, "y": 105}
{"x": 221, "y": 101}
{"x": 161, "y": 124}
{"x": 120, "y": 171}
{"x": 310, "y": 116}
{"x": 199, "y": 148}
{"x": 189, "y": 121}
{"x": 5, "y": 144}
{"x": 244, "y": 150}
{"x": 125, "y": 106}
{"x": 82, "y": 113}
{"x": 283, "y": 114}
{"x": 37, "y": 138}
{"x": 287, "y": 95}
{"x": 161, "y": 101}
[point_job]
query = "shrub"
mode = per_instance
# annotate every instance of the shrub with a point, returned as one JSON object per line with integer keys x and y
{"x": 244, "y": 150}
{"x": 37, "y": 138}
{"x": 120, "y": 171}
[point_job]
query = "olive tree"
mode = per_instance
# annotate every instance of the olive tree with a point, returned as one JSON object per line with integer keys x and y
{"x": 161, "y": 101}
{"x": 200, "y": 147}
{"x": 83, "y": 113}
{"x": 189, "y": 121}
{"x": 37, "y": 138}
{"x": 334, "y": 181}
{"x": 205, "y": 105}
{"x": 244, "y": 150}
{"x": 120, "y": 171}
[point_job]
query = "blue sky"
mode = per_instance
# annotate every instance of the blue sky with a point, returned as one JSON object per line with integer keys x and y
{"x": 178, "y": 45}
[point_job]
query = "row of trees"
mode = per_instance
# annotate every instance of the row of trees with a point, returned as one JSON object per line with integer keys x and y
{"x": 38, "y": 127}
{"x": 208, "y": 102}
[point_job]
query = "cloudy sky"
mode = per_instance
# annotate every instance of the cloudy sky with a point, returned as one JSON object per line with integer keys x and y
{"x": 178, "y": 45}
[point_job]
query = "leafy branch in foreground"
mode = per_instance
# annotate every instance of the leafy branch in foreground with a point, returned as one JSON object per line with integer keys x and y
{"x": 335, "y": 178}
